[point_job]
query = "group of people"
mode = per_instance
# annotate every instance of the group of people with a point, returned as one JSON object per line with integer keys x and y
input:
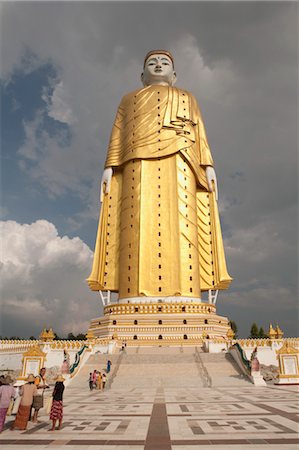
{"x": 97, "y": 379}
{"x": 31, "y": 400}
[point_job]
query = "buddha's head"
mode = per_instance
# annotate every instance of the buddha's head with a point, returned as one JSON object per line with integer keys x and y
{"x": 158, "y": 69}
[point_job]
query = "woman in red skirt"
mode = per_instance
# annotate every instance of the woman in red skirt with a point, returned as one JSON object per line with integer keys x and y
{"x": 56, "y": 412}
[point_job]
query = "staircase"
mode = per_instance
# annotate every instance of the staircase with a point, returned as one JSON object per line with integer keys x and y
{"x": 97, "y": 361}
{"x": 159, "y": 366}
{"x": 223, "y": 370}
{"x": 142, "y": 367}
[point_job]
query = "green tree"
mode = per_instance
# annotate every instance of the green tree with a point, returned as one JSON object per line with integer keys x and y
{"x": 262, "y": 333}
{"x": 32, "y": 338}
{"x": 254, "y": 331}
{"x": 234, "y": 327}
{"x": 81, "y": 337}
{"x": 71, "y": 337}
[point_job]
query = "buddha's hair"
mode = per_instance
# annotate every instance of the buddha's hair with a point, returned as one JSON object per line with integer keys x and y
{"x": 158, "y": 52}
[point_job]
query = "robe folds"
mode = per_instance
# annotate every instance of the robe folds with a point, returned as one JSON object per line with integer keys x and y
{"x": 159, "y": 232}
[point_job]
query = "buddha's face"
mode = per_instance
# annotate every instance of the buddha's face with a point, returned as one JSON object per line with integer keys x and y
{"x": 158, "y": 69}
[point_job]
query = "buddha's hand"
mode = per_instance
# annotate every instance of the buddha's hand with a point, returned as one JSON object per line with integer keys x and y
{"x": 212, "y": 180}
{"x": 105, "y": 182}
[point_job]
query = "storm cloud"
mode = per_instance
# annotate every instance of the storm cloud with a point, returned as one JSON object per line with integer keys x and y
{"x": 239, "y": 59}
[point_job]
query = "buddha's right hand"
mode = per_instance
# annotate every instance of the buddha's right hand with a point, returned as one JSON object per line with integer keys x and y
{"x": 105, "y": 182}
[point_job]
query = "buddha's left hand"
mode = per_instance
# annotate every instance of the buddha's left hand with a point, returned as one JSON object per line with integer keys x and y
{"x": 212, "y": 180}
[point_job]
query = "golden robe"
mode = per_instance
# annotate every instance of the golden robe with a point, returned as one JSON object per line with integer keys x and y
{"x": 159, "y": 230}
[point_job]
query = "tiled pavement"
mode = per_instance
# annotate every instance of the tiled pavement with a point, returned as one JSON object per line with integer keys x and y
{"x": 165, "y": 418}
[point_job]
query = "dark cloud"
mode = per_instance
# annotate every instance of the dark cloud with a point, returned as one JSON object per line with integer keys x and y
{"x": 240, "y": 59}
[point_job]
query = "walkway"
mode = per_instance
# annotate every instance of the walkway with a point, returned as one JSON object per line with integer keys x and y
{"x": 165, "y": 417}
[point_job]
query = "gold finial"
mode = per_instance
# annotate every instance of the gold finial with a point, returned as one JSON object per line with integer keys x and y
{"x": 47, "y": 335}
{"x": 44, "y": 335}
{"x": 230, "y": 334}
{"x": 90, "y": 335}
{"x": 271, "y": 332}
{"x": 51, "y": 335}
{"x": 279, "y": 332}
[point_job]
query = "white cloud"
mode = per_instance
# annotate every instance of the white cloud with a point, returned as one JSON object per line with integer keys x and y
{"x": 57, "y": 105}
{"x": 87, "y": 100}
{"x": 212, "y": 83}
{"x": 43, "y": 279}
{"x": 31, "y": 148}
{"x": 224, "y": 54}
{"x": 92, "y": 79}
{"x": 52, "y": 161}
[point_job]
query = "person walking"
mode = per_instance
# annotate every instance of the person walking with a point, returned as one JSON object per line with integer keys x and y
{"x": 56, "y": 412}
{"x": 108, "y": 366}
{"x": 104, "y": 379}
{"x": 7, "y": 392}
{"x": 94, "y": 378}
{"x": 90, "y": 381}
{"x": 99, "y": 381}
{"x": 38, "y": 399}
{"x": 65, "y": 368}
{"x": 27, "y": 392}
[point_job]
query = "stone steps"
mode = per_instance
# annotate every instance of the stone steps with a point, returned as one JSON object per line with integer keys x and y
{"x": 223, "y": 370}
{"x": 162, "y": 350}
{"x": 156, "y": 359}
{"x": 150, "y": 367}
{"x": 98, "y": 362}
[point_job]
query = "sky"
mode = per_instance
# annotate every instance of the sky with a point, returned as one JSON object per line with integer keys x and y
{"x": 64, "y": 69}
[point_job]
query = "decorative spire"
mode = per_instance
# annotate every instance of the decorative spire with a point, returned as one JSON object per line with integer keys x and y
{"x": 44, "y": 335}
{"x": 230, "y": 334}
{"x": 115, "y": 336}
{"x": 51, "y": 335}
{"x": 47, "y": 335}
{"x": 90, "y": 335}
{"x": 271, "y": 332}
{"x": 279, "y": 332}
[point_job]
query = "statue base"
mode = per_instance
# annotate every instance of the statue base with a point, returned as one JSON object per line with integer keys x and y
{"x": 156, "y": 324}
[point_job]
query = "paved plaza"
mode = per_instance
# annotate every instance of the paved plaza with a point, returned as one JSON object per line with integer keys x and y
{"x": 164, "y": 418}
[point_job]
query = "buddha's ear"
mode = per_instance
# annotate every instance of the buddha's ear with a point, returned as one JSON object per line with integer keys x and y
{"x": 174, "y": 78}
{"x": 142, "y": 78}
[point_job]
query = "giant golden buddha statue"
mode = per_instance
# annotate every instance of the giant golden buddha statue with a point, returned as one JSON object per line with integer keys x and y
{"x": 159, "y": 234}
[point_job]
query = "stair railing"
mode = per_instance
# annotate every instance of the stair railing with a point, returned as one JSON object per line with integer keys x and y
{"x": 115, "y": 370}
{"x": 203, "y": 373}
{"x": 75, "y": 365}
